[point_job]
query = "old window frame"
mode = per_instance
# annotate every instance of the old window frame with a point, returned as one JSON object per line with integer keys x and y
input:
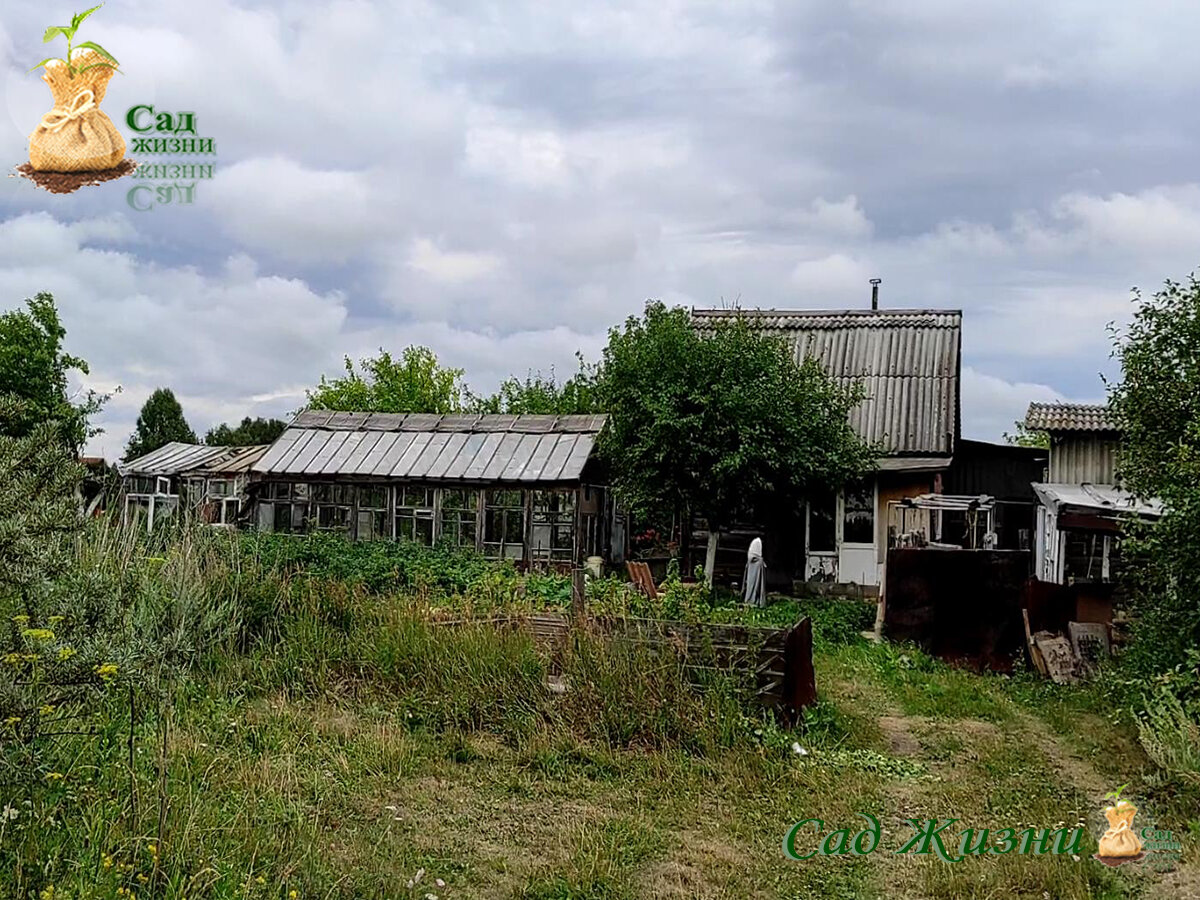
{"x": 505, "y": 520}
{"x": 553, "y": 512}
{"x": 375, "y": 500}
{"x": 455, "y": 520}
{"x": 415, "y": 513}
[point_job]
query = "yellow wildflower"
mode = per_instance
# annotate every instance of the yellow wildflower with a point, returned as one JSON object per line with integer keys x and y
{"x": 153, "y": 848}
{"x": 12, "y": 720}
{"x": 293, "y": 894}
{"x": 108, "y": 861}
{"x": 13, "y": 659}
{"x": 38, "y": 634}
{"x": 46, "y": 709}
{"x": 54, "y": 776}
{"x": 20, "y": 620}
{"x": 142, "y": 878}
{"x": 54, "y": 620}
{"x": 65, "y": 653}
{"x": 108, "y": 670}
{"x": 47, "y": 892}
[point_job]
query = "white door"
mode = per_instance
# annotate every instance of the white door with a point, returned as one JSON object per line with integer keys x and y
{"x": 858, "y": 561}
{"x": 820, "y": 539}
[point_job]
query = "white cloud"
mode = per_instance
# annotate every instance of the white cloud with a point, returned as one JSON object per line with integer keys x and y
{"x": 451, "y": 267}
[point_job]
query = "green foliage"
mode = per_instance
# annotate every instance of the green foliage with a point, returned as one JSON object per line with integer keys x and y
{"x": 247, "y": 433}
{"x": 415, "y": 383}
{"x": 159, "y": 423}
{"x": 543, "y": 394}
{"x": 1023, "y": 436}
{"x": 1170, "y": 734}
{"x": 35, "y": 369}
{"x": 38, "y": 511}
{"x": 68, "y": 32}
{"x": 720, "y": 423}
{"x": 1157, "y": 406}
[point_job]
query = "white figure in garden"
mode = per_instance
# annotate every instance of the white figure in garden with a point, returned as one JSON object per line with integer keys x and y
{"x": 755, "y": 577}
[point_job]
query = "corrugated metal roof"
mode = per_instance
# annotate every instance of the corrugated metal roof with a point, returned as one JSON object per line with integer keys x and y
{"x": 1070, "y": 417}
{"x": 420, "y": 447}
{"x": 240, "y": 462}
{"x": 173, "y": 458}
{"x": 1102, "y": 498}
{"x": 907, "y": 360}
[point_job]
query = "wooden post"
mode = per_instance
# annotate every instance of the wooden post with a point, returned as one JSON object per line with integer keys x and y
{"x": 578, "y": 593}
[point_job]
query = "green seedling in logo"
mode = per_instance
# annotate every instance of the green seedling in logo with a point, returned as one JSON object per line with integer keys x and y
{"x": 1115, "y": 796}
{"x": 68, "y": 31}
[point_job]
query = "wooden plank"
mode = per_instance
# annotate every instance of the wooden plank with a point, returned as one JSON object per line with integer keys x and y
{"x": 355, "y": 461}
{"x": 336, "y": 463}
{"x": 404, "y": 463}
{"x": 439, "y": 467}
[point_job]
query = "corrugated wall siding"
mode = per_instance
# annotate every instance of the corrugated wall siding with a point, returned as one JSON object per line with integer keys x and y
{"x": 1076, "y": 458}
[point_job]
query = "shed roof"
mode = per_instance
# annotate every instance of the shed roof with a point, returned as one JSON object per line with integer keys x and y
{"x": 420, "y": 447}
{"x": 173, "y": 458}
{"x": 1070, "y": 417}
{"x": 238, "y": 463}
{"x": 906, "y": 359}
{"x": 1094, "y": 498}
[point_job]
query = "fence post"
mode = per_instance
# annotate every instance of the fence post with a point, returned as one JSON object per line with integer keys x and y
{"x": 578, "y": 594}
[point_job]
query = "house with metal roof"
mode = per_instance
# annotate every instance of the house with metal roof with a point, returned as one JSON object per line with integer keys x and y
{"x": 519, "y": 487}
{"x": 909, "y": 363}
{"x": 1081, "y": 504}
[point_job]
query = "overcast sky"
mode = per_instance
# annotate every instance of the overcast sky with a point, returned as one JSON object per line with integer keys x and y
{"x": 505, "y": 181}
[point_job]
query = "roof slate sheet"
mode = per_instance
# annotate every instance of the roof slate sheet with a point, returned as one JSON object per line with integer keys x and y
{"x": 425, "y": 447}
{"x": 906, "y": 359}
{"x": 1069, "y": 417}
{"x": 173, "y": 458}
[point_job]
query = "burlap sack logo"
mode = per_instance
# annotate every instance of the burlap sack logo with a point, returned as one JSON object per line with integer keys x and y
{"x": 76, "y": 143}
{"x": 1120, "y": 843}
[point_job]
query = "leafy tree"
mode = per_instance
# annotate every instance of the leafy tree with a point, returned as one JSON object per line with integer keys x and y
{"x": 249, "y": 432}
{"x": 1025, "y": 436}
{"x": 160, "y": 422}
{"x": 35, "y": 370}
{"x": 1157, "y": 406}
{"x": 721, "y": 423}
{"x": 543, "y": 394}
{"x": 39, "y": 480}
{"x": 415, "y": 383}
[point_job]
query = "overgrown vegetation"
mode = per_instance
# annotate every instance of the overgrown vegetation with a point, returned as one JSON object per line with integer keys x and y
{"x": 1157, "y": 405}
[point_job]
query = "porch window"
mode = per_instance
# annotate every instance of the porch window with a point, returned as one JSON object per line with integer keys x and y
{"x": 414, "y": 514}
{"x": 858, "y": 515}
{"x": 504, "y": 524}
{"x": 372, "y": 521}
{"x": 460, "y": 517}
{"x": 552, "y": 536}
{"x": 822, "y": 523}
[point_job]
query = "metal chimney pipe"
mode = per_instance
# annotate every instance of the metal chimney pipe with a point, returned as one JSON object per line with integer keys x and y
{"x": 875, "y": 292}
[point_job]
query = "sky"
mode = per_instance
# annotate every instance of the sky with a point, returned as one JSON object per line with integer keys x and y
{"x": 504, "y": 182}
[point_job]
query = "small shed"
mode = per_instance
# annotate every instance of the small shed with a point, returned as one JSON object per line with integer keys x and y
{"x": 218, "y": 490}
{"x": 521, "y": 487}
{"x": 151, "y": 485}
{"x": 1079, "y": 528}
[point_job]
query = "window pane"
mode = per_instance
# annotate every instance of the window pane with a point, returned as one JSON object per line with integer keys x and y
{"x": 283, "y": 517}
{"x": 858, "y": 526}
{"x": 822, "y": 513}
